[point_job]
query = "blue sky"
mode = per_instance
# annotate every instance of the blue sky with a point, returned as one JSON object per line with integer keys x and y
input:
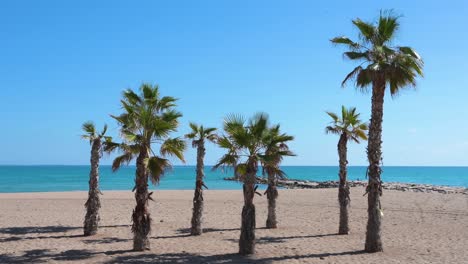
{"x": 65, "y": 62}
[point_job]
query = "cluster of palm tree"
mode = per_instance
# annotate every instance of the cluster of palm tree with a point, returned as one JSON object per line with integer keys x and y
{"x": 149, "y": 119}
{"x": 248, "y": 144}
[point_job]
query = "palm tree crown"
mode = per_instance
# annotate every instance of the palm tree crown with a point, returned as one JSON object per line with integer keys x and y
{"x": 396, "y": 66}
{"x": 200, "y": 133}
{"x": 91, "y": 133}
{"x": 250, "y": 140}
{"x": 148, "y": 118}
{"x": 348, "y": 124}
{"x": 276, "y": 149}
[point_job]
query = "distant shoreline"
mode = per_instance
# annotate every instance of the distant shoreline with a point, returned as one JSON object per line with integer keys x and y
{"x": 398, "y": 186}
{"x": 303, "y": 184}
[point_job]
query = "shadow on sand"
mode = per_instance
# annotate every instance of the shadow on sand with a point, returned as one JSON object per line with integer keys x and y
{"x": 128, "y": 256}
{"x": 43, "y": 232}
{"x": 44, "y": 255}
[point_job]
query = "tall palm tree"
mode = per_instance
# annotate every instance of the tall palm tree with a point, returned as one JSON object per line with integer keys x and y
{"x": 348, "y": 127}
{"x": 198, "y": 135}
{"x": 276, "y": 147}
{"x": 91, "y": 221}
{"x": 147, "y": 119}
{"x": 381, "y": 64}
{"x": 245, "y": 145}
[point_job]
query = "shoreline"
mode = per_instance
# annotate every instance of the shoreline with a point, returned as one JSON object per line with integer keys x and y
{"x": 303, "y": 184}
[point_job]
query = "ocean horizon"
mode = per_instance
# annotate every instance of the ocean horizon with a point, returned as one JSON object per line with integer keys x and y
{"x": 57, "y": 178}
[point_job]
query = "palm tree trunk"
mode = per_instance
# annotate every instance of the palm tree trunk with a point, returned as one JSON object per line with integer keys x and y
{"x": 374, "y": 155}
{"x": 93, "y": 203}
{"x": 343, "y": 189}
{"x": 247, "y": 237}
{"x": 198, "y": 196}
{"x": 141, "y": 217}
{"x": 272, "y": 194}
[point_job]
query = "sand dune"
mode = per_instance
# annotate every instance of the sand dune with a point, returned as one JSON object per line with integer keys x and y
{"x": 417, "y": 228}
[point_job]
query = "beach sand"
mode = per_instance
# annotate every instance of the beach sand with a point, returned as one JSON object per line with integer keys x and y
{"x": 417, "y": 228}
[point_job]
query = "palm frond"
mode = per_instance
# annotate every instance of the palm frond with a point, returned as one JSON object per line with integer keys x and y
{"x": 227, "y": 160}
{"x": 409, "y": 51}
{"x": 233, "y": 122}
{"x": 366, "y": 30}
{"x": 332, "y": 130}
{"x": 131, "y": 98}
{"x": 387, "y": 26}
{"x": 148, "y": 91}
{"x": 241, "y": 170}
{"x": 364, "y": 78}
{"x": 104, "y": 130}
{"x": 275, "y": 172}
{"x": 209, "y": 131}
{"x": 194, "y": 127}
{"x": 345, "y": 41}
{"x": 109, "y": 146}
{"x": 122, "y": 159}
{"x": 173, "y": 147}
{"x": 333, "y": 116}
{"x": 157, "y": 167}
{"x": 360, "y": 134}
{"x": 212, "y": 138}
{"x": 355, "y": 55}
{"x": 258, "y": 124}
{"x": 89, "y": 128}
{"x": 167, "y": 102}
{"x": 352, "y": 75}
{"x": 191, "y": 135}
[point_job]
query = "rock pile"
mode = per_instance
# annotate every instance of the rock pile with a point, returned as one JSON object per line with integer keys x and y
{"x": 412, "y": 187}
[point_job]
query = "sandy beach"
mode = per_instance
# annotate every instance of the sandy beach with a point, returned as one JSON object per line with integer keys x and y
{"x": 417, "y": 228}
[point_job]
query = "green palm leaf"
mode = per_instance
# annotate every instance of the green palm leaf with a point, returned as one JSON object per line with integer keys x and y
{"x": 348, "y": 124}
{"x": 157, "y": 167}
{"x": 398, "y": 66}
{"x": 173, "y": 147}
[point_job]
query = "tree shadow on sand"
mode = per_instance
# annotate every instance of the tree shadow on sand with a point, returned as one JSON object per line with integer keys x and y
{"x": 218, "y": 259}
{"x": 268, "y": 239}
{"x": 185, "y": 232}
{"x": 106, "y": 240}
{"x": 44, "y": 255}
{"x": 45, "y": 232}
{"x": 209, "y": 230}
{"x": 24, "y": 230}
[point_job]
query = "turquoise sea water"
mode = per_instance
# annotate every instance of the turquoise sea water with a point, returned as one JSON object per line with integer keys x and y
{"x": 73, "y": 178}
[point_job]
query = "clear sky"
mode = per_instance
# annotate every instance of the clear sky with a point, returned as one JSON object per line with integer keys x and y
{"x": 66, "y": 62}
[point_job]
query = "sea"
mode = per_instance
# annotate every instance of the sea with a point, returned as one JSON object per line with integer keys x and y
{"x": 53, "y": 178}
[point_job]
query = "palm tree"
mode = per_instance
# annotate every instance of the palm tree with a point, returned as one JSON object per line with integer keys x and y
{"x": 245, "y": 144}
{"x": 147, "y": 119}
{"x": 93, "y": 203}
{"x": 381, "y": 64}
{"x": 198, "y": 135}
{"x": 348, "y": 127}
{"x": 276, "y": 148}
